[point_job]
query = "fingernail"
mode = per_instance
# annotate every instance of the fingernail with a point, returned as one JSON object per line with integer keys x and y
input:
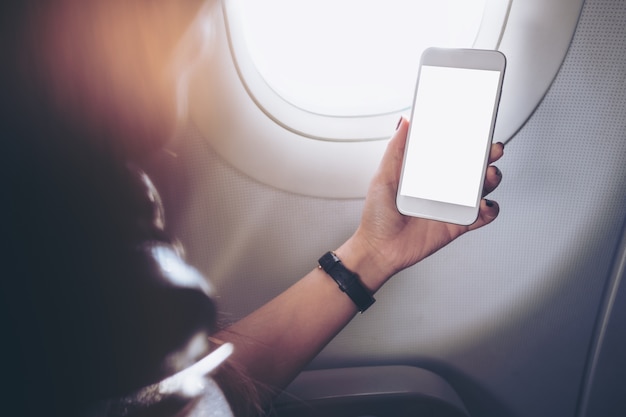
{"x": 501, "y": 144}
{"x": 489, "y": 203}
{"x": 399, "y": 123}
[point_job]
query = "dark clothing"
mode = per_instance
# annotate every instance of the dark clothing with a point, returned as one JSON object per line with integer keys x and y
{"x": 90, "y": 311}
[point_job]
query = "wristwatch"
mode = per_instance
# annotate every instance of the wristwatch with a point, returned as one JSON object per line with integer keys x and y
{"x": 347, "y": 280}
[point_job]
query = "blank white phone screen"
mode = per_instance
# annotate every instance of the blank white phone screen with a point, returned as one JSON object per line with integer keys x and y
{"x": 451, "y": 122}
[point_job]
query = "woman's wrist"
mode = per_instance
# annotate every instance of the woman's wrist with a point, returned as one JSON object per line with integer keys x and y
{"x": 363, "y": 260}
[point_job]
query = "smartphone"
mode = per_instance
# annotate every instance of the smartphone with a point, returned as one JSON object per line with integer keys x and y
{"x": 452, "y": 122}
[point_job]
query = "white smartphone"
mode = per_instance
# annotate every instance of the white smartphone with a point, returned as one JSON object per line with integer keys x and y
{"x": 452, "y": 122}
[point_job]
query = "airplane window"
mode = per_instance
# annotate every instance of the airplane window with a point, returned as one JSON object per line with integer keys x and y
{"x": 289, "y": 84}
{"x": 344, "y": 70}
{"x": 351, "y": 57}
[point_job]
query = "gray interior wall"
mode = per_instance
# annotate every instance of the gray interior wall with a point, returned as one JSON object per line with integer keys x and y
{"x": 605, "y": 385}
{"x": 506, "y": 314}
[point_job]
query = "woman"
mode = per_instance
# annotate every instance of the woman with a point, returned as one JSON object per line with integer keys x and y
{"x": 96, "y": 322}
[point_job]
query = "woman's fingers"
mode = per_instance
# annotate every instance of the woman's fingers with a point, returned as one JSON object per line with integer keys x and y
{"x": 493, "y": 176}
{"x": 496, "y": 152}
{"x": 489, "y": 209}
{"x": 487, "y": 213}
{"x": 492, "y": 179}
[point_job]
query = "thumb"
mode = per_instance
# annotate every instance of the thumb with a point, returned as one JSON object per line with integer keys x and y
{"x": 394, "y": 154}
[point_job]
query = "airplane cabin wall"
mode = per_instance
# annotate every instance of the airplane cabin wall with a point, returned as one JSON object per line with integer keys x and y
{"x": 506, "y": 314}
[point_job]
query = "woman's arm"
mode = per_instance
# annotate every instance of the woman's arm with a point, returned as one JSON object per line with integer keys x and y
{"x": 275, "y": 342}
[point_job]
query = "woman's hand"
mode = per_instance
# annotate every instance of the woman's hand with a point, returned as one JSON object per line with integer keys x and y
{"x": 387, "y": 241}
{"x": 276, "y": 341}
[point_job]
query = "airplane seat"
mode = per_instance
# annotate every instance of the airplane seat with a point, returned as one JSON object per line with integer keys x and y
{"x": 369, "y": 391}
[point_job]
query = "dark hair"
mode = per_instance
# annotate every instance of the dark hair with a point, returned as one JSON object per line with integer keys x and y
{"x": 88, "y": 309}
{"x": 92, "y": 311}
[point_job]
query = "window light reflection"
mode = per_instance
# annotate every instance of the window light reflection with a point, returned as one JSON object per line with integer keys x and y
{"x": 351, "y": 57}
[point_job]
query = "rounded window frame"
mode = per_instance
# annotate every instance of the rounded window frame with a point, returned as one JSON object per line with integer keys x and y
{"x": 300, "y": 152}
{"x": 325, "y": 127}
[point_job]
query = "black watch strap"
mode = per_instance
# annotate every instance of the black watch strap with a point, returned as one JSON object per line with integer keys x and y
{"x": 347, "y": 280}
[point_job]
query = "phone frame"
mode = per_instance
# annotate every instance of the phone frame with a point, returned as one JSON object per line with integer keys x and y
{"x": 480, "y": 59}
